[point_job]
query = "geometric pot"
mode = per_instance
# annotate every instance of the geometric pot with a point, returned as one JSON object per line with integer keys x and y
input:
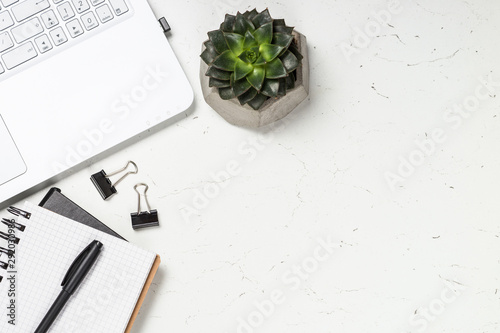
{"x": 273, "y": 109}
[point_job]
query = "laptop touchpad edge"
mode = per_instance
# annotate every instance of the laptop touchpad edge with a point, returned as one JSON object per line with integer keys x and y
{"x": 12, "y": 164}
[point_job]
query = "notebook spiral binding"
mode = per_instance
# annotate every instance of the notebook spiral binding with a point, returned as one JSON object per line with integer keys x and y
{"x": 10, "y": 237}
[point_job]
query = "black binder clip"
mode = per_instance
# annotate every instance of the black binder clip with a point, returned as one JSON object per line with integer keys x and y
{"x": 4, "y": 265}
{"x": 103, "y": 184}
{"x": 145, "y": 219}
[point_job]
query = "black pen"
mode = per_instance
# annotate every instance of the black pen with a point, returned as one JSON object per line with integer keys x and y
{"x": 74, "y": 277}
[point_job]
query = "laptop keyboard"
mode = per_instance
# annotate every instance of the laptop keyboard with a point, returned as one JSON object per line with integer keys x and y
{"x": 32, "y": 29}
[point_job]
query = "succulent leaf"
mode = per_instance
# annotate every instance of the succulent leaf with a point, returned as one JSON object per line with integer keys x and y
{"x": 226, "y": 61}
{"x": 208, "y": 44}
{"x": 208, "y": 56}
{"x": 251, "y": 14}
{"x": 293, "y": 48}
{"x": 210, "y": 53}
{"x": 256, "y": 77}
{"x": 282, "y": 39}
{"x": 257, "y": 102}
{"x": 290, "y": 81}
{"x": 218, "y": 40}
{"x": 282, "y": 88}
{"x": 280, "y": 26}
{"x": 264, "y": 35}
{"x": 262, "y": 18}
{"x": 226, "y": 93}
{"x": 228, "y": 24}
{"x": 218, "y": 73}
{"x": 247, "y": 96}
{"x": 242, "y": 25}
{"x": 235, "y": 42}
{"x": 270, "y": 51}
{"x": 250, "y": 56}
{"x": 242, "y": 69}
{"x": 270, "y": 88}
{"x": 213, "y": 82}
{"x": 290, "y": 61}
{"x": 260, "y": 61}
{"x": 241, "y": 86}
{"x": 249, "y": 41}
{"x": 275, "y": 69}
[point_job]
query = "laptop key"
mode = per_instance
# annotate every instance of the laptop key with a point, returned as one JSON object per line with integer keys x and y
{"x": 29, "y": 8}
{"x": 66, "y": 11}
{"x": 58, "y": 36}
{"x": 1, "y": 69}
{"x": 75, "y": 28}
{"x": 81, "y": 5}
{"x": 19, "y": 55}
{"x": 119, "y": 6}
{"x": 89, "y": 21}
{"x": 49, "y": 19}
{"x": 5, "y": 42}
{"x": 5, "y": 20}
{"x": 43, "y": 43}
{"x": 27, "y": 30}
{"x": 104, "y": 13}
{"x": 7, "y": 3}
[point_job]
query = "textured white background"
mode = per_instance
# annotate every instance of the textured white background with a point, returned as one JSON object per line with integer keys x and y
{"x": 322, "y": 176}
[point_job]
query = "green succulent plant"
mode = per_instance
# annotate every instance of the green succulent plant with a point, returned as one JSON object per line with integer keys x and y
{"x": 252, "y": 57}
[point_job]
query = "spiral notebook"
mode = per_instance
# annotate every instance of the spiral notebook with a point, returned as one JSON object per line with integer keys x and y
{"x": 47, "y": 244}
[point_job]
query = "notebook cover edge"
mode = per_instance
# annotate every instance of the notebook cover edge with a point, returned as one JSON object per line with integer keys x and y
{"x": 144, "y": 292}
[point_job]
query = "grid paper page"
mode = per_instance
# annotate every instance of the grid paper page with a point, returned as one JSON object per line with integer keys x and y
{"x": 104, "y": 301}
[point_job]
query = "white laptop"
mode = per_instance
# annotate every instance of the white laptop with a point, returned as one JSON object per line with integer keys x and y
{"x": 77, "y": 78}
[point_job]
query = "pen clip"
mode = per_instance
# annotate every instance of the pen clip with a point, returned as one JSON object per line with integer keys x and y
{"x": 74, "y": 266}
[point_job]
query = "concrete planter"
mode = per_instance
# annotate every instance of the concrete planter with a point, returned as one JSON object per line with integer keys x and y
{"x": 273, "y": 109}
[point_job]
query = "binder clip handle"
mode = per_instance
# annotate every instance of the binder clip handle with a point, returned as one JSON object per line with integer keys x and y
{"x": 139, "y": 197}
{"x": 147, "y": 218}
{"x": 126, "y": 174}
